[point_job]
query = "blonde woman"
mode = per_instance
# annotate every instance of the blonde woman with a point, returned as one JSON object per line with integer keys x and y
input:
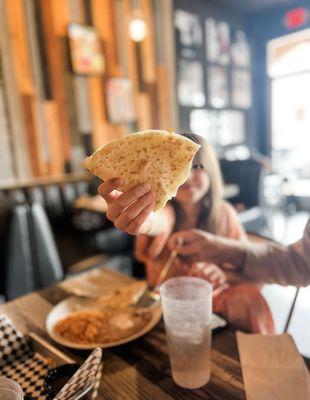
{"x": 199, "y": 205}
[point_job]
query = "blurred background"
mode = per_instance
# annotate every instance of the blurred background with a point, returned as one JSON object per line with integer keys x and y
{"x": 75, "y": 74}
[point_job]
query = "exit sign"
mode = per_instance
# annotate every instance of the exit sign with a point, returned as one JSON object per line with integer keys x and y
{"x": 296, "y": 17}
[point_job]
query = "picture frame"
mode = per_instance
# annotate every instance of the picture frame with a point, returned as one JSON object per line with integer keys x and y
{"x": 241, "y": 89}
{"x": 189, "y": 28}
{"x": 120, "y": 104}
{"x": 86, "y": 51}
{"x": 191, "y": 91}
{"x": 231, "y": 127}
{"x": 218, "y": 86}
{"x": 240, "y": 49}
{"x": 205, "y": 123}
{"x": 217, "y": 41}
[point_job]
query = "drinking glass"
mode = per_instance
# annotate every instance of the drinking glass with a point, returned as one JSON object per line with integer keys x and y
{"x": 187, "y": 310}
{"x": 10, "y": 390}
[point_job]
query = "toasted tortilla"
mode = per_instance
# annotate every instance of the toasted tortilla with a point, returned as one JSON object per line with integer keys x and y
{"x": 159, "y": 158}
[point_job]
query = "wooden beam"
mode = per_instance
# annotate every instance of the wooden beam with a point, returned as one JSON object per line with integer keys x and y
{"x": 57, "y": 67}
{"x": 19, "y": 43}
{"x": 163, "y": 98}
{"x": 104, "y": 20}
{"x": 51, "y": 113}
{"x": 39, "y": 166}
{"x": 101, "y": 130}
{"x": 14, "y": 106}
{"x": 148, "y": 44}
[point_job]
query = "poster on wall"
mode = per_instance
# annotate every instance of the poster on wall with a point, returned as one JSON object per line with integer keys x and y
{"x": 240, "y": 49}
{"x": 231, "y": 127}
{"x": 241, "y": 89}
{"x": 189, "y": 28}
{"x": 205, "y": 124}
{"x": 120, "y": 100}
{"x": 217, "y": 86}
{"x": 86, "y": 50}
{"x": 191, "y": 84}
{"x": 217, "y": 41}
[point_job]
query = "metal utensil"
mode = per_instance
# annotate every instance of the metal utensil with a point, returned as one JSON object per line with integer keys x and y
{"x": 164, "y": 272}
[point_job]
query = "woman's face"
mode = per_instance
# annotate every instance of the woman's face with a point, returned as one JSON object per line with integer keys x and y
{"x": 195, "y": 188}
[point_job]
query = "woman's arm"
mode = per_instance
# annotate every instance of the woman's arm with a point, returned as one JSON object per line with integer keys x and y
{"x": 230, "y": 226}
{"x": 268, "y": 262}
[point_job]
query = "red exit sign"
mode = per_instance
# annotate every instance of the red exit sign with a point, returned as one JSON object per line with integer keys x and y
{"x": 296, "y": 17}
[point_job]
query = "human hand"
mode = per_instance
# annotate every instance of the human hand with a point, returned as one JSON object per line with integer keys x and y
{"x": 210, "y": 272}
{"x": 197, "y": 245}
{"x": 129, "y": 211}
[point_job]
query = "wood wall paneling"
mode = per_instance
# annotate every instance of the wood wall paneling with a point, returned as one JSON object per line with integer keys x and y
{"x": 148, "y": 44}
{"x": 102, "y": 131}
{"x": 103, "y": 17}
{"x": 13, "y": 101}
{"x": 50, "y": 109}
{"x": 57, "y": 66}
{"x": 6, "y": 162}
{"x": 51, "y": 114}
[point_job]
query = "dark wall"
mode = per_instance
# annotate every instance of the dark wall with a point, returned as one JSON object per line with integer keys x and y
{"x": 237, "y": 20}
{"x": 263, "y": 27}
{"x": 260, "y": 27}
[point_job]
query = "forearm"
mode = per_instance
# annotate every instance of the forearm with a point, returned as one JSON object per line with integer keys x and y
{"x": 274, "y": 263}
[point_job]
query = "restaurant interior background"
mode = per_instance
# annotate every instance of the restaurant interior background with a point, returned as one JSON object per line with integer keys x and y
{"x": 75, "y": 74}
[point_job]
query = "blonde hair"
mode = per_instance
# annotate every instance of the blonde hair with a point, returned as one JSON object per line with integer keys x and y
{"x": 209, "y": 217}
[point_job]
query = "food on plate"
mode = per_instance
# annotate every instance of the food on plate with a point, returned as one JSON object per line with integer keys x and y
{"x": 157, "y": 157}
{"x": 123, "y": 297}
{"x": 92, "y": 327}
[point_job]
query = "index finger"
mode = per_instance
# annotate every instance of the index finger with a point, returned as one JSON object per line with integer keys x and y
{"x": 107, "y": 188}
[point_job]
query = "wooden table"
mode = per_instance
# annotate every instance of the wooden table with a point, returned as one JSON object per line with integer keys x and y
{"x": 138, "y": 370}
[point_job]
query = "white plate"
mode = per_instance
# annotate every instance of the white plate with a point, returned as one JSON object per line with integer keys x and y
{"x": 72, "y": 304}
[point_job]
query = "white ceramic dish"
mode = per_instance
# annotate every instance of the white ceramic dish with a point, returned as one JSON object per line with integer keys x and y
{"x": 72, "y": 304}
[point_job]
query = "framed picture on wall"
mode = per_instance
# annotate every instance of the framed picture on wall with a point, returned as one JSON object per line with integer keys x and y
{"x": 218, "y": 86}
{"x": 191, "y": 91}
{"x": 241, "y": 89}
{"x": 231, "y": 127}
{"x": 86, "y": 50}
{"x": 217, "y": 41}
{"x": 240, "y": 49}
{"x": 120, "y": 103}
{"x": 205, "y": 124}
{"x": 189, "y": 28}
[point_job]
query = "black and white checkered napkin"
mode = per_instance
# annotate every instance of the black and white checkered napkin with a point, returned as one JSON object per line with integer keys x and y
{"x": 19, "y": 362}
{"x": 83, "y": 380}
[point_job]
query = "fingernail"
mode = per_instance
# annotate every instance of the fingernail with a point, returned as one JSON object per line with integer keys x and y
{"x": 147, "y": 187}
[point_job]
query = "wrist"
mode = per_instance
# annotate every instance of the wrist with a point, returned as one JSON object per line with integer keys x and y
{"x": 232, "y": 252}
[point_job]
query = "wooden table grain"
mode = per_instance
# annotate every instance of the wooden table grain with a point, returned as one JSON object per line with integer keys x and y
{"x": 138, "y": 370}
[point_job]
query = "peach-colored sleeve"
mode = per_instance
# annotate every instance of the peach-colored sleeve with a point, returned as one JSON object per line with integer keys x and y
{"x": 150, "y": 246}
{"x": 230, "y": 226}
